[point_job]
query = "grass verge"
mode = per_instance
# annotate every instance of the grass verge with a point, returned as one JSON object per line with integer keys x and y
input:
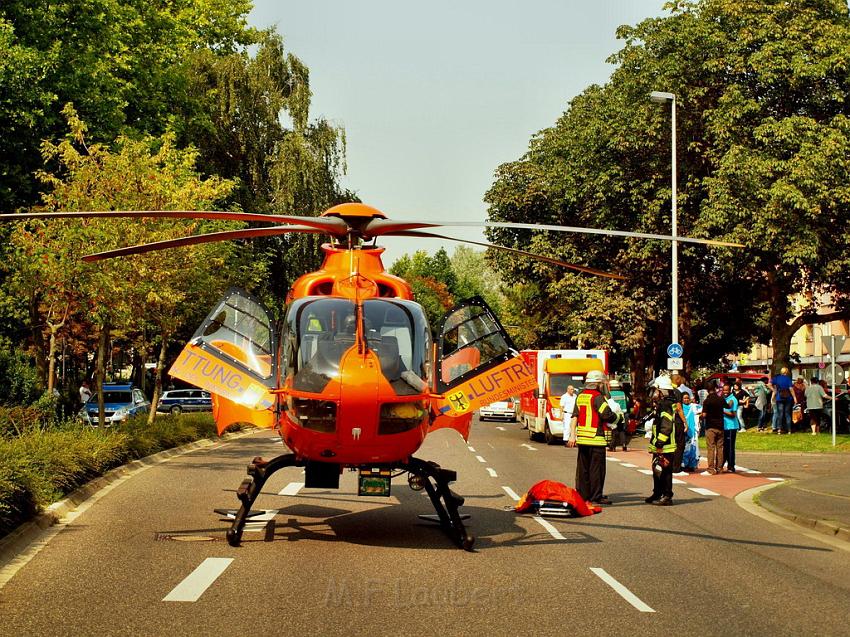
{"x": 40, "y": 466}
{"x": 795, "y": 442}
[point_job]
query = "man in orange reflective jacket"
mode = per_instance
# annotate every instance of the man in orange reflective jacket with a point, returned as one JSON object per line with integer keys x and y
{"x": 591, "y": 414}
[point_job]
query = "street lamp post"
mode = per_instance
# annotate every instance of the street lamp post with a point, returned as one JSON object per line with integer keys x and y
{"x": 662, "y": 97}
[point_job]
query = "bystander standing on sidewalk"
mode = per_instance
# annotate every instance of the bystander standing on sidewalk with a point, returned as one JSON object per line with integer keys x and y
{"x": 762, "y": 394}
{"x": 798, "y": 413}
{"x": 784, "y": 397}
{"x": 730, "y": 427}
{"x": 815, "y": 395}
{"x": 712, "y": 413}
{"x": 690, "y": 459}
{"x": 743, "y": 397}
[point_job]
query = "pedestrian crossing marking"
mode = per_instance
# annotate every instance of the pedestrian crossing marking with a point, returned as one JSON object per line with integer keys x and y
{"x": 702, "y": 491}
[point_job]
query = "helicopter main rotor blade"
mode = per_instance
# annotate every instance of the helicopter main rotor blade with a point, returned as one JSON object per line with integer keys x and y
{"x": 226, "y": 235}
{"x": 331, "y": 225}
{"x": 537, "y": 257}
{"x": 378, "y": 227}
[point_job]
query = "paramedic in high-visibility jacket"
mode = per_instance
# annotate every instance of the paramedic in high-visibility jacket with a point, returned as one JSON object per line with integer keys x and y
{"x": 592, "y": 412}
{"x": 662, "y": 445}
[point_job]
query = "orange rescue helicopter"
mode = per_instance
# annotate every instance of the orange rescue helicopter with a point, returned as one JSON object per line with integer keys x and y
{"x": 351, "y": 378}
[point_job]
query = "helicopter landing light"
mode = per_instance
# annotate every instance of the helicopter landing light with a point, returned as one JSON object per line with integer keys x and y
{"x": 415, "y": 482}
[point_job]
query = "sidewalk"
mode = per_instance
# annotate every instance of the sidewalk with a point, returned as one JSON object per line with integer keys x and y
{"x": 818, "y": 497}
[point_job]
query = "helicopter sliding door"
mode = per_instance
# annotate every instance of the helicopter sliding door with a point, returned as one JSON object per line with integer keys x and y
{"x": 233, "y": 354}
{"x": 477, "y": 363}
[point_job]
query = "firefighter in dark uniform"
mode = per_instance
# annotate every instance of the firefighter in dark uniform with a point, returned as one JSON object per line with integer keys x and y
{"x": 591, "y": 414}
{"x": 662, "y": 445}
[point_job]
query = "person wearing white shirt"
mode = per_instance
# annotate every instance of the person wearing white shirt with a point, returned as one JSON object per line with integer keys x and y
{"x": 85, "y": 392}
{"x": 568, "y": 404}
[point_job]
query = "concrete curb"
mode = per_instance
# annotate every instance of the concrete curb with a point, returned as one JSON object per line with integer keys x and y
{"x": 827, "y": 527}
{"x": 814, "y": 529}
{"x": 21, "y": 538}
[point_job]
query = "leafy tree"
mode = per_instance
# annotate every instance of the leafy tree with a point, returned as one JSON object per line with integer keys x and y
{"x": 158, "y": 289}
{"x": 474, "y": 276}
{"x": 431, "y": 293}
{"x": 236, "y": 114}
{"x": 119, "y": 61}
{"x": 762, "y": 135}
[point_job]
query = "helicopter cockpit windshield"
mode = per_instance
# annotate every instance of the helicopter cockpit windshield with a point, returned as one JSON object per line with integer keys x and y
{"x": 319, "y": 330}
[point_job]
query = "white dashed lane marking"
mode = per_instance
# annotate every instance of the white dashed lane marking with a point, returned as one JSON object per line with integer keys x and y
{"x": 500, "y": 428}
{"x": 555, "y": 533}
{"x": 480, "y": 459}
{"x": 492, "y": 472}
{"x": 199, "y": 580}
{"x": 511, "y": 493}
{"x": 528, "y": 446}
{"x": 777, "y": 479}
{"x": 647, "y": 472}
{"x": 472, "y": 449}
{"x": 622, "y": 591}
{"x": 630, "y": 466}
{"x": 291, "y": 489}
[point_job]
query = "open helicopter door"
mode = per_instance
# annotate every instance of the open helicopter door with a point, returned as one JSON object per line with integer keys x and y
{"x": 233, "y": 355}
{"x": 476, "y": 364}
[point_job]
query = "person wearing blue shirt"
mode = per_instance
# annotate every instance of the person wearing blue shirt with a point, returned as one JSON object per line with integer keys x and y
{"x": 730, "y": 426}
{"x": 785, "y": 401}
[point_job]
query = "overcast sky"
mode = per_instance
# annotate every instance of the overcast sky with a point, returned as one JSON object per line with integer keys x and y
{"x": 434, "y": 96}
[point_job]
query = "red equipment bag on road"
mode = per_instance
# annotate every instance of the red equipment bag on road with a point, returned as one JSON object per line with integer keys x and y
{"x": 551, "y": 491}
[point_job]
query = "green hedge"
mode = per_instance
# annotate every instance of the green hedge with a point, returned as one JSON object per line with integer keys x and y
{"x": 39, "y": 466}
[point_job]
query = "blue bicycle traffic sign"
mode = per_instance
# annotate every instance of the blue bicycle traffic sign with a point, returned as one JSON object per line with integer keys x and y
{"x": 674, "y": 350}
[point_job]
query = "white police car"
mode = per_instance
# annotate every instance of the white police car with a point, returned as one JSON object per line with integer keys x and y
{"x": 501, "y": 410}
{"x": 121, "y": 400}
{"x": 176, "y": 401}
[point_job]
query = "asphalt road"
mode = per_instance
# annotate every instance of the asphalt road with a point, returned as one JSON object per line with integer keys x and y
{"x": 337, "y": 564}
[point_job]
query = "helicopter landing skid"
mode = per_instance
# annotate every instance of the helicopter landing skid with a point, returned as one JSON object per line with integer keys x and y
{"x": 258, "y": 471}
{"x": 435, "y": 479}
{"x": 445, "y": 501}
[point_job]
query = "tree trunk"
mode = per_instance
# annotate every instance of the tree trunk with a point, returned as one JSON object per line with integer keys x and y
{"x": 51, "y": 351}
{"x": 639, "y": 368}
{"x": 685, "y": 336}
{"x": 51, "y": 361}
{"x": 100, "y": 371}
{"x": 38, "y": 341}
{"x": 157, "y": 387}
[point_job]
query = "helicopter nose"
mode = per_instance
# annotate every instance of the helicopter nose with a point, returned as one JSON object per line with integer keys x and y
{"x": 359, "y": 399}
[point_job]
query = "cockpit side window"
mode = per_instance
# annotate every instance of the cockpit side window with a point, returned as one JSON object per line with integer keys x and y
{"x": 398, "y": 333}
{"x": 318, "y": 332}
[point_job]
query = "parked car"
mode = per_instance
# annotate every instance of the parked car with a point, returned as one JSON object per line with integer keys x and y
{"x": 176, "y": 401}
{"x": 121, "y": 400}
{"x": 502, "y": 410}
